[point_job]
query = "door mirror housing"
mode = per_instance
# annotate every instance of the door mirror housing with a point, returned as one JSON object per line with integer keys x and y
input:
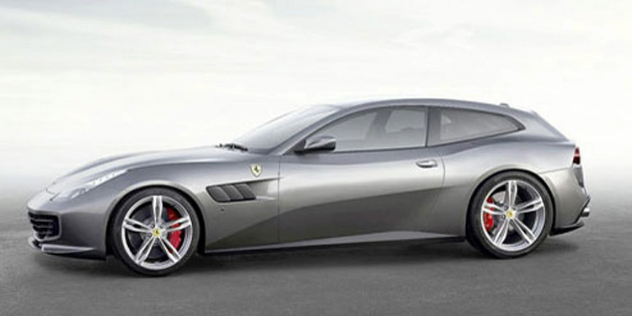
{"x": 318, "y": 144}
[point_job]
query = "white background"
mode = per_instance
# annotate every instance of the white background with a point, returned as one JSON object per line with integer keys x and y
{"x": 81, "y": 80}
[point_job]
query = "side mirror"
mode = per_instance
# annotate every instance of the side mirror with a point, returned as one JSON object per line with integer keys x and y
{"x": 318, "y": 143}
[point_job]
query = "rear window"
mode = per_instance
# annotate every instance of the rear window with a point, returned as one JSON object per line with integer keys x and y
{"x": 458, "y": 125}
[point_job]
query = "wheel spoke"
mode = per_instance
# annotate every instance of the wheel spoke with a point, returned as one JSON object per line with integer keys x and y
{"x": 530, "y": 206}
{"x": 182, "y": 223}
{"x": 157, "y": 208}
{"x": 523, "y": 231}
{"x": 501, "y": 234}
{"x": 493, "y": 209}
{"x": 169, "y": 250}
{"x": 144, "y": 250}
{"x": 136, "y": 226}
{"x": 511, "y": 193}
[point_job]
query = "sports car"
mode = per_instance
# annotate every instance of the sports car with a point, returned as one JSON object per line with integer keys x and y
{"x": 355, "y": 173}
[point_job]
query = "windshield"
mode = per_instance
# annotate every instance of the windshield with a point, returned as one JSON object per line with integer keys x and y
{"x": 275, "y": 132}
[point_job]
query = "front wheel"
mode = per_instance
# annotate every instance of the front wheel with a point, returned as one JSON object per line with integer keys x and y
{"x": 510, "y": 215}
{"x": 155, "y": 232}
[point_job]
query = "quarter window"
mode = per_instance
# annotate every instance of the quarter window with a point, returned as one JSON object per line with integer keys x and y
{"x": 457, "y": 125}
{"x": 379, "y": 129}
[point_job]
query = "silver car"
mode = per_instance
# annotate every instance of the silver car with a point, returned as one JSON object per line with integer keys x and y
{"x": 392, "y": 170}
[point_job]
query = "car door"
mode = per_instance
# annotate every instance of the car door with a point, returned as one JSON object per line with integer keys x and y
{"x": 471, "y": 144}
{"x": 381, "y": 177}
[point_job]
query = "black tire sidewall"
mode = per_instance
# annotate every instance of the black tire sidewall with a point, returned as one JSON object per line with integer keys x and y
{"x": 475, "y": 229}
{"x": 117, "y": 243}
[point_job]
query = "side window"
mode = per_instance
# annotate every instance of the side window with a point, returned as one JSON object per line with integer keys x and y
{"x": 405, "y": 127}
{"x": 351, "y": 133}
{"x": 457, "y": 125}
{"x": 379, "y": 129}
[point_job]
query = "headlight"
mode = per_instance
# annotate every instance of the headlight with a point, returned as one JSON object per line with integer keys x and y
{"x": 73, "y": 192}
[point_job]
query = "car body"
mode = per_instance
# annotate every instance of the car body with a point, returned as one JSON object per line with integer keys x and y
{"x": 408, "y": 184}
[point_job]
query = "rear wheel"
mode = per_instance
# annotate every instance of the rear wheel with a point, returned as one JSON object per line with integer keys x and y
{"x": 511, "y": 214}
{"x": 155, "y": 232}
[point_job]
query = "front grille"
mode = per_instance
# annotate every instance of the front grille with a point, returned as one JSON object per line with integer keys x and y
{"x": 45, "y": 227}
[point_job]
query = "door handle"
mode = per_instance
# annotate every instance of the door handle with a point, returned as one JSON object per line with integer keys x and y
{"x": 430, "y": 163}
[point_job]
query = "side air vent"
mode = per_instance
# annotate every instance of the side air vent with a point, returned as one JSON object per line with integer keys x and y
{"x": 231, "y": 193}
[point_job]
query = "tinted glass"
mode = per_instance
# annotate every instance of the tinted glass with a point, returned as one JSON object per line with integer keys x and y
{"x": 275, "y": 132}
{"x": 406, "y": 128}
{"x": 379, "y": 129}
{"x": 457, "y": 125}
{"x": 352, "y": 133}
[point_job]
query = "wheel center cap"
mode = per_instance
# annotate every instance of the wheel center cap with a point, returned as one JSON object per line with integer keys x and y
{"x": 156, "y": 232}
{"x": 511, "y": 213}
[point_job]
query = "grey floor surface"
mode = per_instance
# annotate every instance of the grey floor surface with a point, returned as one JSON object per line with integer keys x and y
{"x": 587, "y": 272}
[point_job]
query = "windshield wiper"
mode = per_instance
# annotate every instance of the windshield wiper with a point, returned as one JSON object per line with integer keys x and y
{"x": 233, "y": 146}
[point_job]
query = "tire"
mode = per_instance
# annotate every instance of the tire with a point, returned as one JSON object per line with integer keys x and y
{"x": 155, "y": 247}
{"x": 502, "y": 229}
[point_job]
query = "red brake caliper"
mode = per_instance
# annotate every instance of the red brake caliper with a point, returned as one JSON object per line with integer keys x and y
{"x": 488, "y": 219}
{"x": 174, "y": 237}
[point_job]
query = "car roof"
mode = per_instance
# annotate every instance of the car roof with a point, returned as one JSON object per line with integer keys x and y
{"x": 470, "y": 105}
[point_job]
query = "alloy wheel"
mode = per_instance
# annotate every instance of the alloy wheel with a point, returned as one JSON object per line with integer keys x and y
{"x": 513, "y": 215}
{"x": 156, "y": 232}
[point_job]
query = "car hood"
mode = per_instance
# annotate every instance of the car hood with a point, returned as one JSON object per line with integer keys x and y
{"x": 105, "y": 166}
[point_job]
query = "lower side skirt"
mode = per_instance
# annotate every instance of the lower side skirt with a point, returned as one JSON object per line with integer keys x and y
{"x": 406, "y": 237}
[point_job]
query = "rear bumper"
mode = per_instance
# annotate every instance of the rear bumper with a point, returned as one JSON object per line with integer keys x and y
{"x": 567, "y": 229}
{"x": 585, "y": 212}
{"x": 570, "y": 197}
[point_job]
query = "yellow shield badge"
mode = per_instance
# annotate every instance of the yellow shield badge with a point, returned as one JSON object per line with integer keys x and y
{"x": 256, "y": 170}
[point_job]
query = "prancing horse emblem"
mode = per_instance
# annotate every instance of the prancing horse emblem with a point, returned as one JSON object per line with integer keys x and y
{"x": 256, "y": 170}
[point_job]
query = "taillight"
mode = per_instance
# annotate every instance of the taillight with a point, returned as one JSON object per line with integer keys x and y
{"x": 577, "y": 157}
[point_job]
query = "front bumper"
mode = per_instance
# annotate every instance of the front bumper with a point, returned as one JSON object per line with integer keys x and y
{"x": 79, "y": 230}
{"x": 62, "y": 250}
